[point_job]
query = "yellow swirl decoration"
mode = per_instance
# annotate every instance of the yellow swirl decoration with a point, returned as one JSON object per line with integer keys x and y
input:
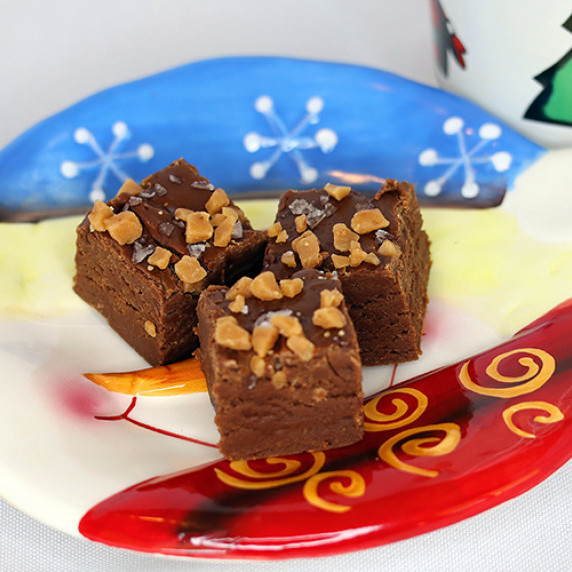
{"x": 355, "y": 488}
{"x": 418, "y": 447}
{"x": 553, "y": 415}
{"x": 271, "y": 479}
{"x": 400, "y": 417}
{"x": 535, "y": 376}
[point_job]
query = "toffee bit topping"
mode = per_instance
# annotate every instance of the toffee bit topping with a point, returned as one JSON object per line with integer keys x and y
{"x": 223, "y": 232}
{"x": 274, "y": 230}
{"x": 301, "y": 223}
{"x": 196, "y": 250}
{"x": 199, "y": 228}
{"x": 265, "y": 287}
{"x": 368, "y": 220}
{"x": 291, "y": 287}
{"x": 150, "y": 328}
{"x": 282, "y": 236}
{"x": 242, "y": 287}
{"x": 182, "y": 213}
{"x": 160, "y": 258}
{"x": 372, "y": 258}
{"x": 343, "y": 237}
{"x": 279, "y": 379}
{"x": 328, "y": 318}
{"x": 357, "y": 254}
{"x": 141, "y": 251}
{"x": 217, "y": 201}
{"x": 340, "y": 261}
{"x": 257, "y": 366}
{"x": 336, "y": 191}
{"x": 302, "y": 347}
{"x": 189, "y": 270}
{"x": 287, "y": 325}
{"x": 263, "y": 339}
{"x": 99, "y": 214}
{"x": 230, "y": 212}
{"x": 307, "y": 246}
{"x": 330, "y": 298}
{"x": 237, "y": 304}
{"x": 289, "y": 259}
{"x": 217, "y": 218}
{"x": 389, "y": 248}
{"x": 130, "y": 187}
{"x": 124, "y": 228}
{"x": 230, "y": 334}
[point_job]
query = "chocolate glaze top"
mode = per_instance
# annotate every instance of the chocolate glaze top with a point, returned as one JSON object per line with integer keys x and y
{"x": 325, "y": 211}
{"x": 302, "y": 306}
{"x": 177, "y": 186}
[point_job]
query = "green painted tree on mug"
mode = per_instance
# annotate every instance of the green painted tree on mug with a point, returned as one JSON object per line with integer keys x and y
{"x": 553, "y": 103}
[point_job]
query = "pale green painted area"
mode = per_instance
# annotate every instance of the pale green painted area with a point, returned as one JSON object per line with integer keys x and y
{"x": 486, "y": 265}
{"x": 37, "y": 263}
{"x": 482, "y": 263}
{"x": 37, "y": 267}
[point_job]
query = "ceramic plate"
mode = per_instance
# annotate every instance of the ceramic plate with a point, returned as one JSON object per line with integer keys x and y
{"x": 142, "y": 471}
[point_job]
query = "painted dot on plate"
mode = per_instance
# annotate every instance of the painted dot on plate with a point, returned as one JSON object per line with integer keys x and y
{"x": 251, "y": 142}
{"x": 81, "y": 135}
{"x": 326, "y": 139}
{"x": 309, "y": 174}
{"x": 69, "y": 169}
{"x": 470, "y": 190}
{"x": 263, "y": 104}
{"x": 501, "y": 161}
{"x": 145, "y": 152}
{"x": 120, "y": 129}
{"x": 453, "y": 125}
{"x": 490, "y": 131}
{"x": 315, "y": 105}
{"x": 432, "y": 188}
{"x": 97, "y": 194}
{"x": 428, "y": 157}
{"x": 258, "y": 170}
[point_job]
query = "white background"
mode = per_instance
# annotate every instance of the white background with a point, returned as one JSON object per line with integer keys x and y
{"x": 53, "y": 53}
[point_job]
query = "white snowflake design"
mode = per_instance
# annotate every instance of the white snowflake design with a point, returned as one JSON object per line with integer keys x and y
{"x": 289, "y": 141}
{"x": 467, "y": 159}
{"x": 105, "y": 160}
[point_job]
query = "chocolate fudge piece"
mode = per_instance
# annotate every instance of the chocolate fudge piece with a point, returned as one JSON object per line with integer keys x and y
{"x": 377, "y": 246}
{"x": 144, "y": 257}
{"x": 282, "y": 365}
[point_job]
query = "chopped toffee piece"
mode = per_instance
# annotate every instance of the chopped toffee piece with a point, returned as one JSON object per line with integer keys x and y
{"x": 144, "y": 257}
{"x": 378, "y": 248}
{"x": 282, "y": 382}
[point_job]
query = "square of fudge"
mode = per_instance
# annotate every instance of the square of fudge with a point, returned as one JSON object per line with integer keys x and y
{"x": 144, "y": 257}
{"x": 379, "y": 250}
{"x": 282, "y": 365}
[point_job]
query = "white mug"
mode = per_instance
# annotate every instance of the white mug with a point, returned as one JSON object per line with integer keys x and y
{"x": 511, "y": 57}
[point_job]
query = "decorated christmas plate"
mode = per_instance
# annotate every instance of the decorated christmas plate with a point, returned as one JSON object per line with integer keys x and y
{"x": 99, "y": 445}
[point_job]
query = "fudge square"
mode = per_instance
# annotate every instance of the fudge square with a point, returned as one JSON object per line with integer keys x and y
{"x": 282, "y": 365}
{"x": 379, "y": 250}
{"x": 144, "y": 257}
